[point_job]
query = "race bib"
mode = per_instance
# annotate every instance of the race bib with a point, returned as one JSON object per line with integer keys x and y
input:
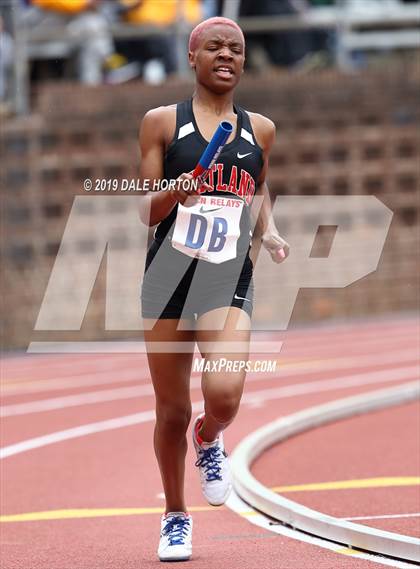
{"x": 210, "y": 229}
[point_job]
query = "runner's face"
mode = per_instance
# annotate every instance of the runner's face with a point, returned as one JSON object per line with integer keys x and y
{"x": 219, "y": 59}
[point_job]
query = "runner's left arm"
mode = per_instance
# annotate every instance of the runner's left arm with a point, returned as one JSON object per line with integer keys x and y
{"x": 265, "y": 231}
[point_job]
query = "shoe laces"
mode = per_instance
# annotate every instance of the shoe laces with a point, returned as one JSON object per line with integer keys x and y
{"x": 210, "y": 460}
{"x": 176, "y": 528}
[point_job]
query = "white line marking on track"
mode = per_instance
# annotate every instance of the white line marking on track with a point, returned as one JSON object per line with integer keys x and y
{"x": 75, "y": 432}
{"x": 254, "y": 398}
{"x": 389, "y": 329}
{"x": 86, "y": 378}
{"x": 354, "y": 380}
{"x": 83, "y": 431}
{"x": 235, "y": 503}
{"x": 286, "y": 367}
{"x": 266, "y": 394}
{"x": 75, "y": 400}
{"x": 383, "y": 517}
{"x": 71, "y": 382}
{"x": 54, "y": 365}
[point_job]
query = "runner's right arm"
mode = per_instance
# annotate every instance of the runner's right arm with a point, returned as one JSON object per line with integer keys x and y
{"x": 156, "y": 131}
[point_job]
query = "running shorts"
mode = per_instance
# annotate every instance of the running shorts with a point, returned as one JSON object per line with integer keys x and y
{"x": 177, "y": 286}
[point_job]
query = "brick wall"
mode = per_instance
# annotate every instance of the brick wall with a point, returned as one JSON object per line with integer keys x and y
{"x": 337, "y": 136}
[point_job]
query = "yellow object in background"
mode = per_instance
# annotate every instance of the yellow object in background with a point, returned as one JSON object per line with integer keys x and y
{"x": 162, "y": 12}
{"x": 64, "y": 6}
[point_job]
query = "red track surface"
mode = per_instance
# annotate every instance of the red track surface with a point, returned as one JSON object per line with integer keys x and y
{"x": 381, "y": 444}
{"x": 116, "y": 468}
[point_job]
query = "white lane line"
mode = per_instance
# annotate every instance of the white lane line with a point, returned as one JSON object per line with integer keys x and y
{"x": 114, "y": 369}
{"x": 389, "y": 331}
{"x": 384, "y": 517}
{"x": 235, "y": 503}
{"x": 76, "y": 432}
{"x": 369, "y": 378}
{"x": 80, "y": 400}
{"x": 83, "y": 431}
{"x": 70, "y": 382}
{"x": 251, "y": 398}
{"x": 317, "y": 331}
{"x": 284, "y": 369}
{"x": 260, "y": 396}
{"x": 56, "y": 365}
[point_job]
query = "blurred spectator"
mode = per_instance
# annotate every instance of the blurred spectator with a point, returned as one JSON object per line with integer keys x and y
{"x": 88, "y": 31}
{"x": 6, "y": 61}
{"x": 285, "y": 48}
{"x": 282, "y": 48}
{"x": 209, "y": 8}
{"x": 161, "y": 12}
{"x": 323, "y": 41}
{"x": 156, "y": 54}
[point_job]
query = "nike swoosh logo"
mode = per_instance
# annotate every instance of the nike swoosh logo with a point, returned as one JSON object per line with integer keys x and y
{"x": 236, "y": 297}
{"x": 243, "y": 155}
{"x": 209, "y": 210}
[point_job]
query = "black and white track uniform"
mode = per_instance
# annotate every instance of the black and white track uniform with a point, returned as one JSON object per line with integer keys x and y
{"x": 199, "y": 258}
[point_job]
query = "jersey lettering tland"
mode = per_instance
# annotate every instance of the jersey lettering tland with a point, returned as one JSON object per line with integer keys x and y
{"x": 234, "y": 175}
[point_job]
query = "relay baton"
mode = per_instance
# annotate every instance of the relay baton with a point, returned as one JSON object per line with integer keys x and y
{"x": 212, "y": 152}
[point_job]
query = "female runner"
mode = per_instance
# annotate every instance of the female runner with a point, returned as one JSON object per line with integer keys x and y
{"x": 197, "y": 286}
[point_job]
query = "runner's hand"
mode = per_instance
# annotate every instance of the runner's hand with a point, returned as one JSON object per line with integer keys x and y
{"x": 185, "y": 191}
{"x": 276, "y": 246}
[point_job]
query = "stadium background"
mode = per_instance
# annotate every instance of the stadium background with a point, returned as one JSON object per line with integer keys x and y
{"x": 345, "y": 127}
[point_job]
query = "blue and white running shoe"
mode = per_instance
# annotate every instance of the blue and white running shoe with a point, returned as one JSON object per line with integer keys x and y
{"x": 213, "y": 465}
{"x": 175, "y": 537}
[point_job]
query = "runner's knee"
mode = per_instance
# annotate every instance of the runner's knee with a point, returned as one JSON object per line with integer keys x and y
{"x": 173, "y": 419}
{"x": 224, "y": 405}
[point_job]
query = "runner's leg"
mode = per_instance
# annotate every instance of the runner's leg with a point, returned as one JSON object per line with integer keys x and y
{"x": 171, "y": 381}
{"x": 222, "y": 389}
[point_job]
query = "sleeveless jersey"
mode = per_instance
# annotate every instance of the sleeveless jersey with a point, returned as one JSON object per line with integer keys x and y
{"x": 233, "y": 177}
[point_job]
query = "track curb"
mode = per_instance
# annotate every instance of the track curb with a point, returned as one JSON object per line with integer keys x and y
{"x": 303, "y": 518}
